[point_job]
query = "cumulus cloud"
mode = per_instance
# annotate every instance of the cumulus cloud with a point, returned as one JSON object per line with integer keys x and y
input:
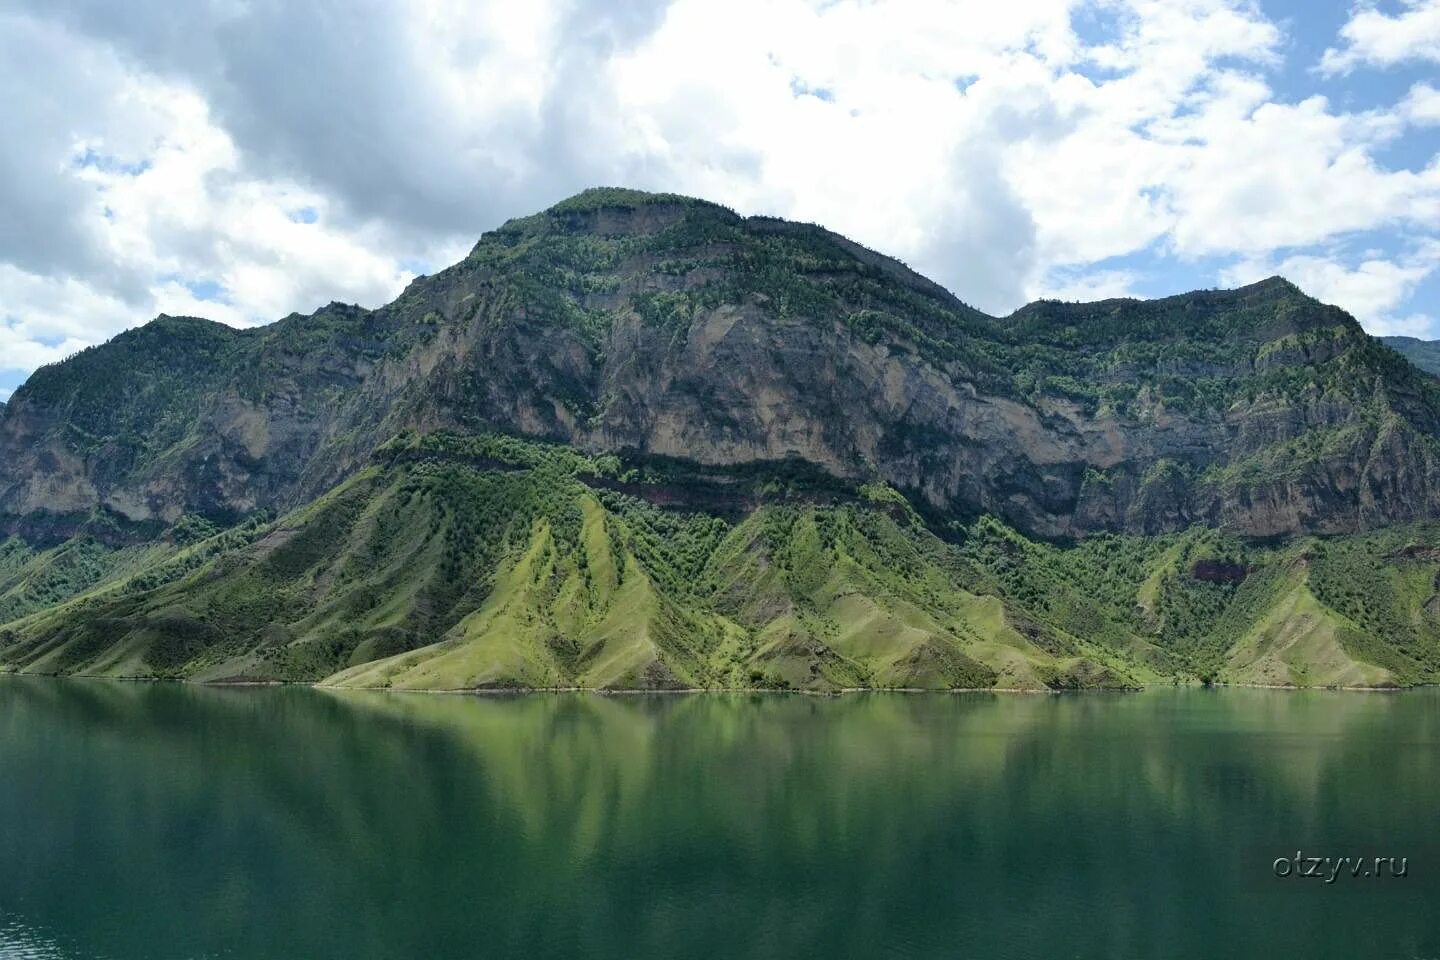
{"x": 47, "y": 318}
{"x": 244, "y": 160}
{"x": 426, "y": 115}
{"x": 1422, "y": 105}
{"x": 1373, "y": 37}
{"x": 127, "y": 200}
{"x": 1284, "y": 175}
{"x": 40, "y": 230}
{"x": 889, "y": 122}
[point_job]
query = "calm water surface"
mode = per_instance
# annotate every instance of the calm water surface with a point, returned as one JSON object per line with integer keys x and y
{"x": 165, "y": 821}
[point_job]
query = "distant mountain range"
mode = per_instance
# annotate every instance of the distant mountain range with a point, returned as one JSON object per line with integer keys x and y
{"x": 1425, "y": 354}
{"x": 639, "y": 441}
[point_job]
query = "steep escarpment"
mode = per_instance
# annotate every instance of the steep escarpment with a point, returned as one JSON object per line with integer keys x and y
{"x": 670, "y": 327}
{"x": 639, "y": 440}
{"x": 179, "y": 416}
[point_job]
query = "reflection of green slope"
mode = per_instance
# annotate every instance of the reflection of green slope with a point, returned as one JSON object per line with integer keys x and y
{"x": 558, "y": 764}
{"x": 563, "y": 764}
{"x": 289, "y": 822}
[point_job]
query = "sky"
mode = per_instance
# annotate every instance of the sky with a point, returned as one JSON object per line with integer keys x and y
{"x": 245, "y": 159}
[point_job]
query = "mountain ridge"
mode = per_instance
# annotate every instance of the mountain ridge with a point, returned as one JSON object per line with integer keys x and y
{"x": 1424, "y": 354}
{"x": 557, "y": 302}
{"x": 726, "y": 451}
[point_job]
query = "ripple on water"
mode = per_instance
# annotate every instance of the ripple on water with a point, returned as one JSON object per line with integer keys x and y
{"x": 19, "y": 942}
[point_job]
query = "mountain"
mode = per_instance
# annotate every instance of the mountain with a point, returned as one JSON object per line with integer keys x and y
{"x": 1425, "y": 354}
{"x": 638, "y": 440}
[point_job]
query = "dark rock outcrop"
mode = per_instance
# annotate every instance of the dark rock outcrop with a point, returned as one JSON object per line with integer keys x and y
{"x": 667, "y": 327}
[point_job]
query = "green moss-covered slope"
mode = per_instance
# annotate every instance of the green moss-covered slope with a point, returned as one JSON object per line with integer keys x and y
{"x": 639, "y": 440}
{"x": 484, "y": 562}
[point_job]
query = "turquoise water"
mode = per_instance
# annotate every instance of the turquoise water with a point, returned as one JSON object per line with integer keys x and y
{"x": 167, "y": 821}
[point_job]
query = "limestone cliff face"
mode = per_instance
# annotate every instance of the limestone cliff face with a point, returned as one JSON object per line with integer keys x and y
{"x": 661, "y": 326}
{"x": 180, "y": 416}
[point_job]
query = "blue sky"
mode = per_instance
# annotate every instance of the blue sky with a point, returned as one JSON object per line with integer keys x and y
{"x": 246, "y": 161}
{"x": 1311, "y": 28}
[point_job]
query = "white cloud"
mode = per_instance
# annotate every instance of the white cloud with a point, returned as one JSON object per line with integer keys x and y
{"x": 993, "y": 166}
{"x": 160, "y": 206}
{"x": 47, "y": 318}
{"x": 1287, "y": 175}
{"x": 1091, "y": 285}
{"x": 896, "y": 138}
{"x": 1375, "y": 38}
{"x": 985, "y": 155}
{"x": 1422, "y": 105}
{"x": 242, "y": 161}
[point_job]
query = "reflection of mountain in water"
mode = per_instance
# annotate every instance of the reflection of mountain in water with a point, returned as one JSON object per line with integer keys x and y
{"x": 294, "y": 822}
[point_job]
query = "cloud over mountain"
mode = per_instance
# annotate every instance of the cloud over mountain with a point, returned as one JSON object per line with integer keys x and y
{"x": 243, "y": 160}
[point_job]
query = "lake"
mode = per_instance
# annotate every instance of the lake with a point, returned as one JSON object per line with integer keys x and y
{"x": 172, "y": 821}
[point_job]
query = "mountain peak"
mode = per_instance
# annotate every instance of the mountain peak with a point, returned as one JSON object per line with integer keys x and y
{"x": 624, "y": 198}
{"x": 168, "y": 321}
{"x": 615, "y": 211}
{"x": 1273, "y": 282}
{"x": 620, "y": 319}
{"x": 1273, "y": 287}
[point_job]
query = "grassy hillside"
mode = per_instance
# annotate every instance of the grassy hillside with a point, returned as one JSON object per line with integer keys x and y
{"x": 488, "y": 562}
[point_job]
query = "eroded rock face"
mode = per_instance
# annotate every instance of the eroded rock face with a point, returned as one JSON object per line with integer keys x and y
{"x": 668, "y": 327}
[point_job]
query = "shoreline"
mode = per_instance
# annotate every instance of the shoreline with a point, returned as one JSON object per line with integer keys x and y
{"x": 684, "y": 691}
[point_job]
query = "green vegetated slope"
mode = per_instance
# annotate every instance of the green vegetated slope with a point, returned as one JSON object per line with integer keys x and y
{"x": 456, "y": 562}
{"x": 638, "y": 440}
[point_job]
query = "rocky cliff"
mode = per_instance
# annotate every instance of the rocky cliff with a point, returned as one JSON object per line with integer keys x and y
{"x": 709, "y": 364}
{"x": 664, "y": 326}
